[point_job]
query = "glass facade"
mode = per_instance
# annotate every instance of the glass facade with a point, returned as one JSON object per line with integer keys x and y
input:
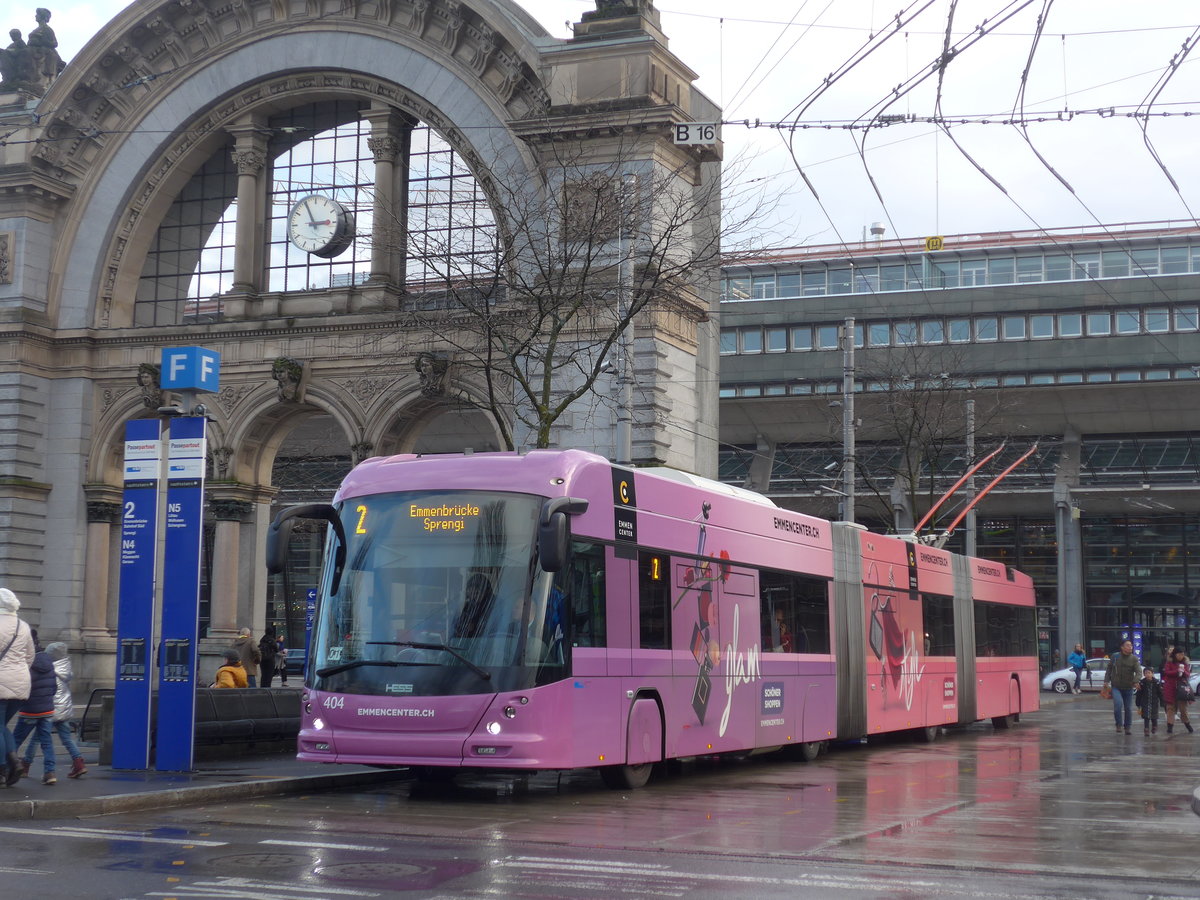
{"x": 940, "y": 271}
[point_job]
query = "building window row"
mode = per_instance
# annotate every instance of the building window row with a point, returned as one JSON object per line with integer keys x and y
{"x": 977, "y": 329}
{"x": 1109, "y": 376}
{"x": 938, "y": 272}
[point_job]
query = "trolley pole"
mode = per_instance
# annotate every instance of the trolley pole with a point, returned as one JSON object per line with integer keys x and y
{"x": 971, "y": 534}
{"x": 848, "y": 464}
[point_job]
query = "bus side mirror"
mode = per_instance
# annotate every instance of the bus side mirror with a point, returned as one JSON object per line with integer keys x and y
{"x": 279, "y": 534}
{"x": 554, "y": 531}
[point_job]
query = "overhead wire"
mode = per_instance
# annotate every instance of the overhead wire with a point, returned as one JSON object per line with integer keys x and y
{"x": 1149, "y": 100}
{"x": 782, "y": 57}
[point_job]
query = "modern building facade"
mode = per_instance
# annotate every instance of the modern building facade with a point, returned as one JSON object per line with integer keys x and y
{"x": 1083, "y": 342}
{"x": 299, "y": 187}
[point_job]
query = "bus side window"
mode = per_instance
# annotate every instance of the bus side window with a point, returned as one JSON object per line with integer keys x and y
{"x": 795, "y": 612}
{"x": 583, "y": 584}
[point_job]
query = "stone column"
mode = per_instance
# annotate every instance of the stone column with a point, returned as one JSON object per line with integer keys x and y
{"x": 223, "y": 607}
{"x": 102, "y": 516}
{"x": 390, "y": 143}
{"x": 250, "y": 157}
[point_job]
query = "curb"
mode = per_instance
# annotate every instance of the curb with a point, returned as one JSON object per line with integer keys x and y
{"x": 1196, "y": 801}
{"x": 144, "y": 800}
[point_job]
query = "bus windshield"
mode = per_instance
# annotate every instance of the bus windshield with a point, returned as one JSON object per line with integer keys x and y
{"x": 440, "y": 594}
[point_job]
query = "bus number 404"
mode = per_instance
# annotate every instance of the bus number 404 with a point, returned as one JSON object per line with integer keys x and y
{"x": 334, "y": 702}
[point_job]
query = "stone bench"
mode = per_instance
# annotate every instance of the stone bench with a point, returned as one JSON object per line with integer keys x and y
{"x": 229, "y": 722}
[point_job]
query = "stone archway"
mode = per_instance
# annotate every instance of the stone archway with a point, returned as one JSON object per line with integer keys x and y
{"x": 170, "y": 85}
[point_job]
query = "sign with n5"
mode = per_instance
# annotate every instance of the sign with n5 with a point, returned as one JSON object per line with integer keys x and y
{"x": 190, "y": 369}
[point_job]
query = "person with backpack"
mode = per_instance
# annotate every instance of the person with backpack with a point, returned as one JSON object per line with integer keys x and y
{"x": 37, "y": 712}
{"x": 64, "y": 712}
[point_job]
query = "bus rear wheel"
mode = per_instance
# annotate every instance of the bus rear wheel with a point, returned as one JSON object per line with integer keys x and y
{"x": 810, "y": 750}
{"x": 928, "y": 734}
{"x": 999, "y": 722}
{"x": 626, "y": 778}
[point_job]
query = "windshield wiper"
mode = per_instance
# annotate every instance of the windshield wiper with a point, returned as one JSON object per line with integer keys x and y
{"x": 420, "y": 645}
{"x": 356, "y": 663}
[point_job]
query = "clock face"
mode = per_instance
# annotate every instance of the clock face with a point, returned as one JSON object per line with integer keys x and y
{"x": 321, "y": 226}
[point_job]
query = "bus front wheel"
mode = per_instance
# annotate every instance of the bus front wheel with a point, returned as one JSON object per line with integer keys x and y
{"x": 625, "y": 778}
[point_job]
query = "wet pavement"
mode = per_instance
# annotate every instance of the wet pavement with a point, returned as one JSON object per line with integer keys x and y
{"x": 104, "y": 790}
{"x": 1057, "y": 806}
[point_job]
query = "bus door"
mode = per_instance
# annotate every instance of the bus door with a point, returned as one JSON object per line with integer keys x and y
{"x": 622, "y": 610}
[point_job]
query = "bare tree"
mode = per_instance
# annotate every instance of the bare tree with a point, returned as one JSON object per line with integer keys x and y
{"x": 920, "y": 429}
{"x": 579, "y": 263}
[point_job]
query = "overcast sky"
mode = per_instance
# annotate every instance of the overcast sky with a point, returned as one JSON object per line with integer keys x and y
{"x": 1092, "y": 55}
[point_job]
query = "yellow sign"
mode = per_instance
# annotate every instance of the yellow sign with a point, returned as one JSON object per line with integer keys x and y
{"x": 447, "y": 517}
{"x": 933, "y": 243}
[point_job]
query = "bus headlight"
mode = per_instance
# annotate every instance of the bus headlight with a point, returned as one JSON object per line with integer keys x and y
{"x": 318, "y": 724}
{"x": 493, "y": 727}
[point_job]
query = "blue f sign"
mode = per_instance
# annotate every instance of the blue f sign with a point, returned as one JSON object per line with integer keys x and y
{"x": 190, "y": 369}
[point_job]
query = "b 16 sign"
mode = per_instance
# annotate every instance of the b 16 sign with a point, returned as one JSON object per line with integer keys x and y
{"x": 696, "y": 133}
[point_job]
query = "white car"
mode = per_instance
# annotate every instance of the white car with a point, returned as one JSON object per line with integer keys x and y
{"x": 1092, "y": 679}
{"x": 1062, "y": 681}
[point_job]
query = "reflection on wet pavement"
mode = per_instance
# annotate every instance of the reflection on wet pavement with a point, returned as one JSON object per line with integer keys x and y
{"x": 1056, "y": 793}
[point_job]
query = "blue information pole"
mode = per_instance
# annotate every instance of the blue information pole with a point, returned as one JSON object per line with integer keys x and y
{"x": 186, "y": 370}
{"x": 135, "y": 606}
{"x": 181, "y": 594}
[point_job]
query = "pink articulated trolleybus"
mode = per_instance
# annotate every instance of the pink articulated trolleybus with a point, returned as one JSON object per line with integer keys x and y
{"x": 550, "y": 610}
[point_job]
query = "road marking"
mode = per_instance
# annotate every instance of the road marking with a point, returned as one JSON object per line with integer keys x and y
{"x": 93, "y": 834}
{"x": 811, "y": 879}
{"x": 240, "y": 888}
{"x": 17, "y": 870}
{"x": 318, "y": 845}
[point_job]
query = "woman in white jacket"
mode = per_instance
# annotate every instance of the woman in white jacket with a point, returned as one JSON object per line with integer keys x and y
{"x": 16, "y": 654}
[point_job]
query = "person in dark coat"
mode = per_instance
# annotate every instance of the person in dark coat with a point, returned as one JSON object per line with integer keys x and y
{"x": 1149, "y": 700}
{"x": 266, "y": 652}
{"x": 1175, "y": 671}
{"x": 37, "y": 713}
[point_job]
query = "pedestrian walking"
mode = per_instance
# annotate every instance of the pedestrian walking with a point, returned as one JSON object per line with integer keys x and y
{"x": 281, "y": 657}
{"x": 17, "y": 651}
{"x": 1078, "y": 662}
{"x": 266, "y": 656}
{"x": 1123, "y": 673}
{"x": 1149, "y": 700}
{"x": 64, "y": 712}
{"x": 37, "y": 712}
{"x": 233, "y": 673}
{"x": 1177, "y": 689}
{"x": 249, "y": 654}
